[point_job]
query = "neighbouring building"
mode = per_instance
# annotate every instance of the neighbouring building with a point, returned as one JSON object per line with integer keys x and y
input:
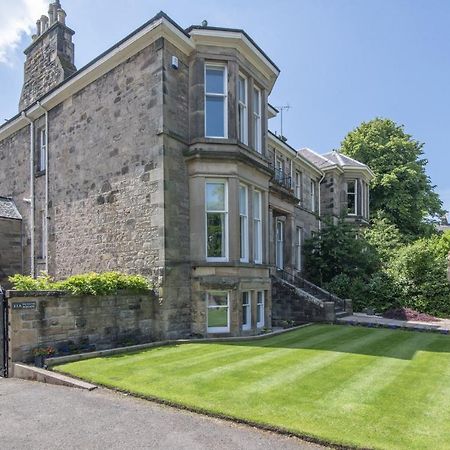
{"x": 156, "y": 158}
{"x": 10, "y": 240}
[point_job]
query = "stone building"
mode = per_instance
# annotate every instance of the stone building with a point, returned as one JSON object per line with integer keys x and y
{"x": 10, "y": 240}
{"x": 156, "y": 158}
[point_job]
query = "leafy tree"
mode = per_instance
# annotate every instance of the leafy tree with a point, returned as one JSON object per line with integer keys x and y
{"x": 338, "y": 249}
{"x": 401, "y": 189}
{"x": 420, "y": 269}
{"x": 384, "y": 237}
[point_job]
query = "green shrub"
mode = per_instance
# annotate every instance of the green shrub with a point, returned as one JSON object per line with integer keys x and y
{"x": 26, "y": 283}
{"x": 84, "y": 284}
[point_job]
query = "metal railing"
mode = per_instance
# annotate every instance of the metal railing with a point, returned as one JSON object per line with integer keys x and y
{"x": 281, "y": 177}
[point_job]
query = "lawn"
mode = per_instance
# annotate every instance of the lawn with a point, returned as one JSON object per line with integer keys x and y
{"x": 367, "y": 387}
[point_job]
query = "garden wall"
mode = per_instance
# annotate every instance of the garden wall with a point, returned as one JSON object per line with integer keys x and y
{"x": 70, "y": 324}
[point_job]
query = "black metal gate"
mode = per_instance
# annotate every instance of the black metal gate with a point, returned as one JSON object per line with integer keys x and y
{"x": 3, "y": 334}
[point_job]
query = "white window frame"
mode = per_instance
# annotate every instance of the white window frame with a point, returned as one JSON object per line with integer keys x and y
{"x": 218, "y": 329}
{"x": 298, "y": 184}
{"x": 225, "y": 212}
{"x": 243, "y": 224}
{"x": 313, "y": 196}
{"x": 43, "y": 149}
{"x": 214, "y": 94}
{"x": 260, "y": 306}
{"x": 257, "y": 119}
{"x": 355, "y": 193}
{"x": 243, "y": 111}
{"x": 279, "y": 244}
{"x": 298, "y": 247}
{"x": 247, "y": 307}
{"x": 257, "y": 228}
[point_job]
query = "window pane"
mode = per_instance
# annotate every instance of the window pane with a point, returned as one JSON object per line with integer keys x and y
{"x": 351, "y": 187}
{"x": 216, "y": 235}
{"x": 215, "y": 116}
{"x": 242, "y": 90}
{"x": 257, "y": 240}
{"x": 217, "y": 317}
{"x": 215, "y": 196}
{"x": 217, "y": 299}
{"x": 243, "y": 200}
{"x": 256, "y": 102}
{"x": 256, "y": 205}
{"x": 215, "y": 80}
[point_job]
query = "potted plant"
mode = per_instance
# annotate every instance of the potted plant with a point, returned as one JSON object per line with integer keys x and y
{"x": 40, "y": 353}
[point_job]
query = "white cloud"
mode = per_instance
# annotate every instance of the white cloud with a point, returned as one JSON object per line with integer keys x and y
{"x": 18, "y": 17}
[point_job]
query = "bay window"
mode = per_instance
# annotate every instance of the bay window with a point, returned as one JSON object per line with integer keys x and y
{"x": 243, "y": 222}
{"x": 351, "y": 197}
{"x": 257, "y": 227}
{"x": 216, "y": 202}
{"x": 298, "y": 184}
{"x": 218, "y": 312}
{"x": 257, "y": 130}
{"x": 260, "y": 309}
{"x": 242, "y": 110}
{"x": 313, "y": 196}
{"x": 246, "y": 311}
{"x": 216, "y": 87}
{"x": 298, "y": 248}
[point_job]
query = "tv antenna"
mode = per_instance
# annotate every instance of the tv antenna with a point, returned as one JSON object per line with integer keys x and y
{"x": 283, "y": 108}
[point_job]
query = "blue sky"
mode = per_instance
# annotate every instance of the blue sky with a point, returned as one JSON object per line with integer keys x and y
{"x": 342, "y": 61}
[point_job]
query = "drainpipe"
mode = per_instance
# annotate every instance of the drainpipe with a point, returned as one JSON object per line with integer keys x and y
{"x": 45, "y": 230}
{"x": 320, "y": 203}
{"x": 32, "y": 271}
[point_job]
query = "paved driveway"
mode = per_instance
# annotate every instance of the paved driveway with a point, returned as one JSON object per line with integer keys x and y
{"x": 38, "y": 416}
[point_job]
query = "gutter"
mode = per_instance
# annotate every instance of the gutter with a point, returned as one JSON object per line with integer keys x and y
{"x": 32, "y": 212}
{"x": 45, "y": 230}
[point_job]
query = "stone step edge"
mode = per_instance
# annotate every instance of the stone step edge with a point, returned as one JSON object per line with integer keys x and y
{"x": 50, "y": 362}
{"x": 31, "y": 373}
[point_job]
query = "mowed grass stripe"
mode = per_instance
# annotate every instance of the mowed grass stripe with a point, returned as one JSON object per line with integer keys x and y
{"x": 294, "y": 372}
{"x": 371, "y": 376}
{"x": 269, "y": 356}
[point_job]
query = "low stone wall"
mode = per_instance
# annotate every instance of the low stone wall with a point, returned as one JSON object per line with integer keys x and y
{"x": 69, "y": 323}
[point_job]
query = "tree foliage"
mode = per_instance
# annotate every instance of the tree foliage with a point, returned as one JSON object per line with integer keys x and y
{"x": 401, "y": 189}
{"x": 338, "y": 249}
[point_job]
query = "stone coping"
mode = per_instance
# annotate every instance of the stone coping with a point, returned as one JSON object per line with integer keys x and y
{"x": 441, "y": 326}
{"x": 32, "y": 373}
{"x": 15, "y": 294}
{"x": 50, "y": 362}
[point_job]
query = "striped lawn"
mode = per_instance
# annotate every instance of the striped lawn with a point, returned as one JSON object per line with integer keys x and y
{"x": 366, "y": 387}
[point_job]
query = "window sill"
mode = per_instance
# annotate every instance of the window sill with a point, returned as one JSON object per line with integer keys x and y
{"x": 39, "y": 173}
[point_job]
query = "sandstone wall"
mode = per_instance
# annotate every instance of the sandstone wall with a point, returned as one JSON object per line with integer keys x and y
{"x": 66, "y": 322}
{"x": 10, "y": 249}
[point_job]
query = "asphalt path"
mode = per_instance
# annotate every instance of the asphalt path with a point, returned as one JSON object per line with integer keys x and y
{"x": 41, "y": 416}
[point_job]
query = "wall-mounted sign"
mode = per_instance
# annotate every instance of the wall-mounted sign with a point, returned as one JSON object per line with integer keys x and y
{"x": 24, "y": 305}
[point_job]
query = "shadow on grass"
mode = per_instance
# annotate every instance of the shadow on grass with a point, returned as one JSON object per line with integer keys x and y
{"x": 357, "y": 340}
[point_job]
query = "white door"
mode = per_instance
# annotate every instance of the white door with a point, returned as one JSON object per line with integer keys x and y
{"x": 279, "y": 244}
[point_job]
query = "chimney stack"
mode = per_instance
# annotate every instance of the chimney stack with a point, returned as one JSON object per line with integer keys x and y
{"x": 49, "y": 58}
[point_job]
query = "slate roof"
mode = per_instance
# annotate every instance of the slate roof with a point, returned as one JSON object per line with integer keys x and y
{"x": 343, "y": 160}
{"x": 333, "y": 158}
{"x": 8, "y": 209}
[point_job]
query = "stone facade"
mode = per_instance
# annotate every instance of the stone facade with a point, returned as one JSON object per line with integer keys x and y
{"x": 119, "y": 180}
{"x": 68, "y": 323}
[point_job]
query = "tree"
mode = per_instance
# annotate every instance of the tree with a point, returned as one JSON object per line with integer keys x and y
{"x": 338, "y": 249}
{"x": 401, "y": 189}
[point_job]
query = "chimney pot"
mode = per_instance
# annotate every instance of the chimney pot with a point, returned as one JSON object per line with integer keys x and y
{"x": 61, "y": 16}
